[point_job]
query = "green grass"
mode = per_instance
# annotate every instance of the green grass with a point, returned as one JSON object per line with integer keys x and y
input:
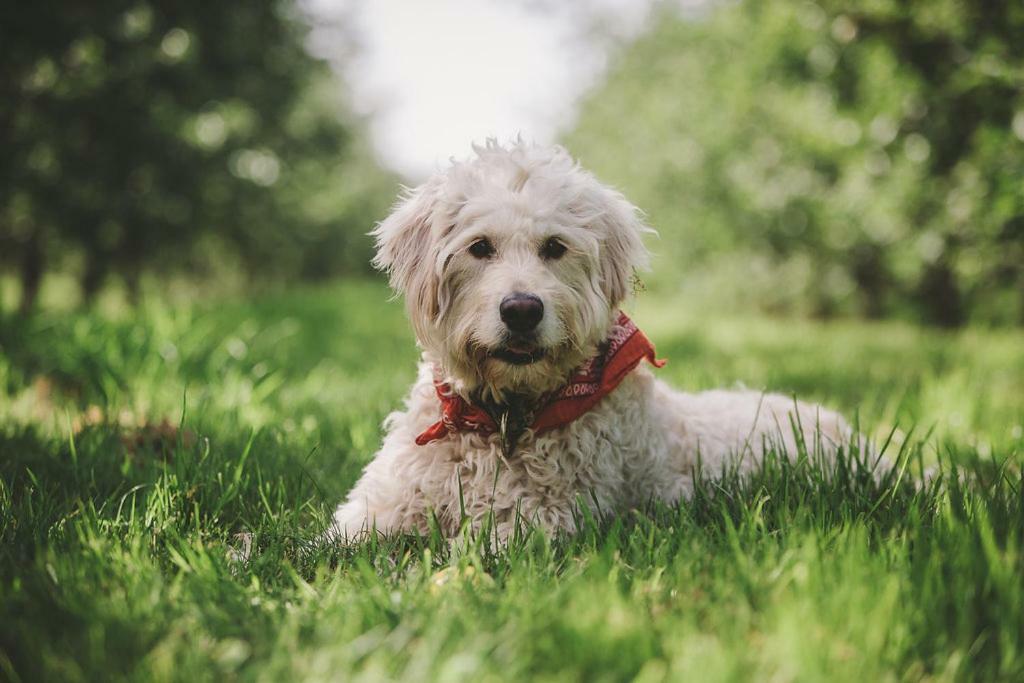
{"x": 113, "y": 554}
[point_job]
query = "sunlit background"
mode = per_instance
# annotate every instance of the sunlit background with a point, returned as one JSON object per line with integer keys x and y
{"x": 432, "y": 77}
{"x": 815, "y": 159}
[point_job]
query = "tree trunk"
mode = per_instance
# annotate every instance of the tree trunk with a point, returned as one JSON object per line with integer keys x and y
{"x": 33, "y": 261}
{"x": 940, "y": 295}
{"x": 133, "y": 287}
{"x": 93, "y": 278}
{"x": 870, "y": 273}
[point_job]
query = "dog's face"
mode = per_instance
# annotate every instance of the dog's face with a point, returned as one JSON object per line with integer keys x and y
{"x": 513, "y": 265}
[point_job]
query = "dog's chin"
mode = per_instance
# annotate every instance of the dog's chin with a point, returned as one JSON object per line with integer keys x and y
{"x": 519, "y": 350}
{"x": 518, "y": 357}
{"x": 526, "y": 370}
{"x": 521, "y": 373}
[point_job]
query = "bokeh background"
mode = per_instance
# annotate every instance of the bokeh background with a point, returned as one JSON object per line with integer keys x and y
{"x": 859, "y": 158}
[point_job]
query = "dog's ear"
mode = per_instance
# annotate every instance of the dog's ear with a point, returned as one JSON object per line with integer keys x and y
{"x": 622, "y": 251}
{"x": 405, "y": 249}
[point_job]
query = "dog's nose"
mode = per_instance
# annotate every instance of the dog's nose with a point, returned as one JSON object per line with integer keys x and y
{"x": 521, "y": 312}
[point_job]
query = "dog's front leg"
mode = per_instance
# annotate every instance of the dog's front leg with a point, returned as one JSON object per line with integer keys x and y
{"x": 352, "y": 521}
{"x": 386, "y": 500}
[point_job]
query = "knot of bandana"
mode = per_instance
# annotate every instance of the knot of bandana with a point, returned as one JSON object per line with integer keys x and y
{"x": 624, "y": 349}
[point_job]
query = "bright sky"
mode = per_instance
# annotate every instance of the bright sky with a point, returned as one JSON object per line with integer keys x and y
{"x": 435, "y": 75}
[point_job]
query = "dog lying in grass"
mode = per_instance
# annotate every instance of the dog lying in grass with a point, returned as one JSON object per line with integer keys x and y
{"x": 535, "y": 393}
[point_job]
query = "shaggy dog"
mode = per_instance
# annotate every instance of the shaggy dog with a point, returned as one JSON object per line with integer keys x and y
{"x": 535, "y": 394}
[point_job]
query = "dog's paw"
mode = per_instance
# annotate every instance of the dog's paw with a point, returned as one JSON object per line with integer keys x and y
{"x": 241, "y": 550}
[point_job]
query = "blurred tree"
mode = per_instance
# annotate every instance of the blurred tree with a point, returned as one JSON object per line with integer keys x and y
{"x": 171, "y": 135}
{"x": 832, "y": 156}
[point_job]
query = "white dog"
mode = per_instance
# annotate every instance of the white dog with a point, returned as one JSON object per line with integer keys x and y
{"x": 533, "y": 396}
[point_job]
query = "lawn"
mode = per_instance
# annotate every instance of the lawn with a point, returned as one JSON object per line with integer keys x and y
{"x": 134, "y": 446}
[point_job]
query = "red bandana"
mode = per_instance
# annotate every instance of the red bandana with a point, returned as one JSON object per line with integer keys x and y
{"x": 625, "y": 347}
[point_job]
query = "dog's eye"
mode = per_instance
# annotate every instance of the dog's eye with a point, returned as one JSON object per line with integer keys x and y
{"x": 553, "y": 249}
{"x": 482, "y": 248}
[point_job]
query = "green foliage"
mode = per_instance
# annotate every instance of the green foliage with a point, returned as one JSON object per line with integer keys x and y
{"x": 160, "y": 136}
{"x": 113, "y": 554}
{"x": 831, "y": 157}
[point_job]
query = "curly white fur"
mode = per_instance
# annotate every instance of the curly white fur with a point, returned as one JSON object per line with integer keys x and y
{"x": 641, "y": 443}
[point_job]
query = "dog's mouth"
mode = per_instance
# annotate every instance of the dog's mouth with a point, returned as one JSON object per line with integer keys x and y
{"x": 519, "y": 351}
